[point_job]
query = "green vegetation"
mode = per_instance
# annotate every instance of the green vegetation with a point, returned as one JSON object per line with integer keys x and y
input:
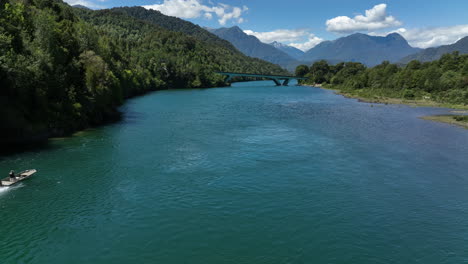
{"x": 63, "y": 69}
{"x": 173, "y": 24}
{"x": 436, "y": 53}
{"x": 302, "y": 70}
{"x": 444, "y": 81}
{"x": 461, "y": 118}
{"x": 458, "y": 120}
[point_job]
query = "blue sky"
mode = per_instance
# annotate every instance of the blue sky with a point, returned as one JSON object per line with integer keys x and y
{"x": 305, "y": 23}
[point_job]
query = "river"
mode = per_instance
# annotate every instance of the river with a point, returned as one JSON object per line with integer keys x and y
{"x": 251, "y": 173}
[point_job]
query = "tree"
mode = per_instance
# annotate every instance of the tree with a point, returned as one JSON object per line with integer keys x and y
{"x": 445, "y": 80}
{"x": 302, "y": 70}
{"x": 320, "y": 72}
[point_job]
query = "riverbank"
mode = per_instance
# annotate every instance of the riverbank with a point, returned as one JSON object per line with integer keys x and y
{"x": 391, "y": 100}
{"x": 449, "y": 119}
{"x": 457, "y": 120}
{"x": 39, "y": 140}
{"x": 410, "y": 102}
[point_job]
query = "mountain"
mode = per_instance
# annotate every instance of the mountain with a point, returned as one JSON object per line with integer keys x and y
{"x": 173, "y": 24}
{"x": 208, "y": 50}
{"x": 81, "y": 6}
{"x": 369, "y": 50}
{"x": 291, "y": 51}
{"x": 252, "y": 46}
{"x": 432, "y": 54}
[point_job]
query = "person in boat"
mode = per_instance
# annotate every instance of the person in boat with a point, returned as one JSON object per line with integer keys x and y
{"x": 12, "y": 175}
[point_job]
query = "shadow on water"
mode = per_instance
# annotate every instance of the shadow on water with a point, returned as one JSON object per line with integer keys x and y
{"x": 133, "y": 117}
{"x": 25, "y": 148}
{"x": 43, "y": 143}
{"x": 123, "y": 116}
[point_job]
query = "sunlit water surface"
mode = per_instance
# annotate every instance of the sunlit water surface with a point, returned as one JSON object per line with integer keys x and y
{"x": 248, "y": 174}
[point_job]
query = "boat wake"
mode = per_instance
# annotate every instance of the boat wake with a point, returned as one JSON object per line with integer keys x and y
{"x": 4, "y": 190}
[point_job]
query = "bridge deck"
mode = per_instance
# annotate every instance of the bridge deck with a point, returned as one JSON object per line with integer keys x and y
{"x": 232, "y": 74}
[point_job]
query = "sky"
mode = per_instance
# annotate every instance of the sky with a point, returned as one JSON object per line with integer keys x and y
{"x": 305, "y": 23}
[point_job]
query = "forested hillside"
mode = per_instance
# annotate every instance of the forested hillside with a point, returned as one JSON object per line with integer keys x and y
{"x": 173, "y": 24}
{"x": 431, "y": 54}
{"x": 443, "y": 81}
{"x": 60, "y": 72}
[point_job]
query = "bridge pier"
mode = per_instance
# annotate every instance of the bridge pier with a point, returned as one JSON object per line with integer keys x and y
{"x": 286, "y": 82}
{"x": 228, "y": 78}
{"x": 277, "y": 82}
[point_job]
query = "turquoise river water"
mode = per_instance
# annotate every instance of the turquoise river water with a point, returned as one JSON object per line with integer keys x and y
{"x": 246, "y": 174}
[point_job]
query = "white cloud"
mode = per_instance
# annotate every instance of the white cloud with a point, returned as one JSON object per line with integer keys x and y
{"x": 208, "y": 16}
{"x": 280, "y": 35}
{"x": 430, "y": 37}
{"x": 310, "y": 43}
{"x": 195, "y": 9}
{"x": 299, "y": 38}
{"x": 224, "y": 16}
{"x": 375, "y": 18}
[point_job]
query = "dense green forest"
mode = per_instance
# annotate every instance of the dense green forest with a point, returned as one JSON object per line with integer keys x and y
{"x": 442, "y": 81}
{"x": 173, "y": 24}
{"x": 64, "y": 69}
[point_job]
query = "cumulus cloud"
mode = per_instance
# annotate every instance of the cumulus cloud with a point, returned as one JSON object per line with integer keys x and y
{"x": 299, "y": 38}
{"x": 430, "y": 37}
{"x": 374, "y": 19}
{"x": 196, "y": 9}
{"x": 310, "y": 43}
{"x": 208, "y": 16}
{"x": 280, "y": 35}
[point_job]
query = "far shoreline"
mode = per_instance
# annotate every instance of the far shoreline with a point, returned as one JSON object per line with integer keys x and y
{"x": 448, "y": 119}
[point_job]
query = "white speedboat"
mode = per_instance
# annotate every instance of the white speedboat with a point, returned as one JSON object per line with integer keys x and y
{"x": 9, "y": 181}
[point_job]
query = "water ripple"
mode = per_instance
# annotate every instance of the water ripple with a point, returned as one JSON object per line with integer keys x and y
{"x": 244, "y": 175}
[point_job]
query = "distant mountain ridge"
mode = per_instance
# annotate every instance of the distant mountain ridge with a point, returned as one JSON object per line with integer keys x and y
{"x": 431, "y": 54}
{"x": 358, "y": 47}
{"x": 81, "y": 6}
{"x": 252, "y": 46}
{"x": 291, "y": 51}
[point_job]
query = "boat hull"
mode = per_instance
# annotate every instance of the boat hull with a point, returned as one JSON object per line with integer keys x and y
{"x": 20, "y": 177}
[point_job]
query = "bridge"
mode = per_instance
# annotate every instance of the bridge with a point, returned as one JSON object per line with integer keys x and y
{"x": 278, "y": 79}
